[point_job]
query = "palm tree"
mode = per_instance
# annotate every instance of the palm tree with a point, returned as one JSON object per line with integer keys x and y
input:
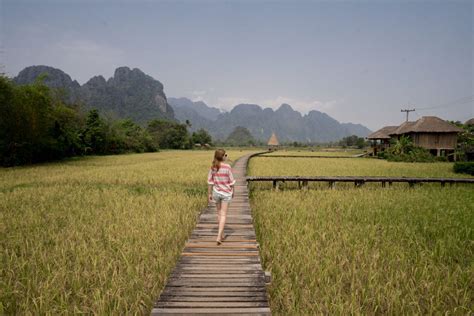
{"x": 403, "y": 145}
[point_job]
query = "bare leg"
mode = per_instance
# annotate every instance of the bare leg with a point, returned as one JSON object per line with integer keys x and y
{"x": 218, "y": 209}
{"x": 224, "y": 207}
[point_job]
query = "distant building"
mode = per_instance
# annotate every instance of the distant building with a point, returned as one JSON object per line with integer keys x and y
{"x": 380, "y": 140}
{"x": 429, "y": 132}
{"x": 273, "y": 142}
{"x": 432, "y": 133}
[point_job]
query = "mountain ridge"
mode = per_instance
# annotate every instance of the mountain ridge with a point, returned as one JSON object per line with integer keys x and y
{"x": 289, "y": 124}
{"x": 130, "y": 93}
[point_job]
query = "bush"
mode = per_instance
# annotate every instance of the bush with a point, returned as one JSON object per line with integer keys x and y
{"x": 416, "y": 154}
{"x": 464, "y": 167}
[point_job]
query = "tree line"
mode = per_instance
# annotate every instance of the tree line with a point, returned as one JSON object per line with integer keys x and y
{"x": 36, "y": 125}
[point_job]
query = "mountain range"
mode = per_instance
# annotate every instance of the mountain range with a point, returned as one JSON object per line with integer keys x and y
{"x": 130, "y": 93}
{"x": 288, "y": 124}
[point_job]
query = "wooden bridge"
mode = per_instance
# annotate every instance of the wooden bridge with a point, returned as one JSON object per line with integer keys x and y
{"x": 357, "y": 180}
{"x": 225, "y": 279}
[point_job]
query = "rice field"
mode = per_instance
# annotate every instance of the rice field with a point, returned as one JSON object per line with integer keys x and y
{"x": 97, "y": 235}
{"x": 367, "y": 250}
{"x": 282, "y": 166}
{"x": 317, "y": 152}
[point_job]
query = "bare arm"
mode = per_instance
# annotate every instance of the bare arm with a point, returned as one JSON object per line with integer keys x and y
{"x": 209, "y": 192}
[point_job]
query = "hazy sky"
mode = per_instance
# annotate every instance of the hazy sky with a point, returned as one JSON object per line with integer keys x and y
{"x": 358, "y": 61}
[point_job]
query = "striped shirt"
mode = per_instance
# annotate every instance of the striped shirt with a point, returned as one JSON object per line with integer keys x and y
{"x": 222, "y": 180}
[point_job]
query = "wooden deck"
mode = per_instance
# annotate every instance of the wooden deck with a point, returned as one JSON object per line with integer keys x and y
{"x": 225, "y": 279}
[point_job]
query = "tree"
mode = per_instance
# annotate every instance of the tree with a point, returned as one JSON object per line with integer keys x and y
{"x": 168, "y": 134}
{"x": 94, "y": 134}
{"x": 201, "y": 137}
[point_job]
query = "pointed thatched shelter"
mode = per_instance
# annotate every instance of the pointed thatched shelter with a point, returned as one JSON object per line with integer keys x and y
{"x": 273, "y": 142}
{"x": 470, "y": 122}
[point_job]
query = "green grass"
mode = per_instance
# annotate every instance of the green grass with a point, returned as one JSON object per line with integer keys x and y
{"x": 366, "y": 250}
{"x": 98, "y": 234}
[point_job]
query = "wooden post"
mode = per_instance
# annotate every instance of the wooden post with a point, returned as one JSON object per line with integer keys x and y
{"x": 359, "y": 183}
{"x": 268, "y": 277}
{"x": 305, "y": 185}
{"x": 442, "y": 184}
{"x": 389, "y": 183}
{"x": 383, "y": 184}
{"x": 411, "y": 184}
{"x": 332, "y": 184}
{"x": 274, "y": 184}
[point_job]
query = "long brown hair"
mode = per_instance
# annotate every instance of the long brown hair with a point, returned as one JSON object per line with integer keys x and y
{"x": 218, "y": 158}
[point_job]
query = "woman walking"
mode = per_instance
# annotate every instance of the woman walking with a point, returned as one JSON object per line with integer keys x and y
{"x": 220, "y": 182}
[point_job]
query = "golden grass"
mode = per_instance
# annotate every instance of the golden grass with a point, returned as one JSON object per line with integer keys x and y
{"x": 311, "y": 152}
{"x": 261, "y": 166}
{"x": 366, "y": 250}
{"x": 97, "y": 234}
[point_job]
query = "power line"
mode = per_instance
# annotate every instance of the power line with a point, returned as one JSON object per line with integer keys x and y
{"x": 456, "y": 102}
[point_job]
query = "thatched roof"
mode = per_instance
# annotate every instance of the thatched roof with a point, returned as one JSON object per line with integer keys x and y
{"x": 383, "y": 133}
{"x": 403, "y": 128}
{"x": 427, "y": 124}
{"x": 273, "y": 141}
{"x": 470, "y": 122}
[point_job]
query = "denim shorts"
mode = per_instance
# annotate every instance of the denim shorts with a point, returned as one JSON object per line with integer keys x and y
{"x": 219, "y": 197}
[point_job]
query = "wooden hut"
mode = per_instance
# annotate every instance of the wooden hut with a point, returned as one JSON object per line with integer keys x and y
{"x": 470, "y": 122}
{"x": 380, "y": 139}
{"x": 273, "y": 142}
{"x": 432, "y": 133}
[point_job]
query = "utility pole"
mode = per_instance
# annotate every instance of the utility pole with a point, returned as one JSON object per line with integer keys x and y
{"x": 408, "y": 111}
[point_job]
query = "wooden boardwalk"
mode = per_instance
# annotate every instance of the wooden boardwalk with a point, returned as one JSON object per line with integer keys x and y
{"x": 358, "y": 180}
{"x": 225, "y": 279}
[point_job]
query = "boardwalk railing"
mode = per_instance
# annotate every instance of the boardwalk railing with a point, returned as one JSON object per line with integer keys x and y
{"x": 357, "y": 180}
{"x": 310, "y": 156}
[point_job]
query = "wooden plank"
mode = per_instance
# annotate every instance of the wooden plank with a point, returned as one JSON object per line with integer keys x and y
{"x": 225, "y": 289}
{"x": 212, "y": 304}
{"x": 213, "y": 294}
{"x": 249, "y": 254}
{"x": 229, "y": 311}
{"x": 208, "y": 298}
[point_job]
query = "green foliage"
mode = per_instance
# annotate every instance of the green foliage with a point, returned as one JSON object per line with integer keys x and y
{"x": 353, "y": 140}
{"x": 465, "y": 150}
{"x": 403, "y": 150}
{"x": 37, "y": 126}
{"x": 127, "y": 136}
{"x": 464, "y": 167}
{"x": 202, "y": 137}
{"x": 34, "y": 126}
{"x": 168, "y": 134}
{"x": 95, "y": 133}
